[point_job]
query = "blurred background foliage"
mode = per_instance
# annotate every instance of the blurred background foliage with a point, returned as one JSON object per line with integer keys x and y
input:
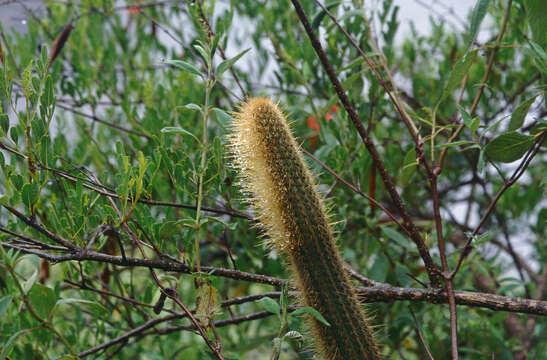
{"x": 90, "y": 110}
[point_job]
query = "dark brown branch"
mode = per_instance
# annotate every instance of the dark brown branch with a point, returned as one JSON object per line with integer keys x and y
{"x": 388, "y": 293}
{"x": 149, "y": 263}
{"x": 153, "y": 322}
{"x": 379, "y": 292}
{"x": 444, "y": 263}
{"x": 233, "y": 321}
{"x": 39, "y": 244}
{"x": 111, "y": 294}
{"x": 431, "y": 267}
{"x": 129, "y": 334}
{"x": 41, "y": 229}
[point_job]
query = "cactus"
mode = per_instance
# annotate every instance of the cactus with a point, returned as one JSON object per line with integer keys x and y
{"x": 286, "y": 202}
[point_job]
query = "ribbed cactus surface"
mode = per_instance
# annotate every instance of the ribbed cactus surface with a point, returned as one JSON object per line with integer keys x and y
{"x": 282, "y": 191}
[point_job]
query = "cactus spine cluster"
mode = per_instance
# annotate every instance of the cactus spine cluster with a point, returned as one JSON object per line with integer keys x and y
{"x": 283, "y": 193}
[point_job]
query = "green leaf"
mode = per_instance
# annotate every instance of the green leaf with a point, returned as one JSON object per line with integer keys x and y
{"x": 27, "y": 81}
{"x": 29, "y": 194}
{"x": 4, "y": 199}
{"x": 538, "y": 52}
{"x": 4, "y": 123}
{"x": 402, "y": 272}
{"x": 458, "y": 73}
{"x": 480, "y": 162}
{"x": 178, "y": 130}
{"x": 270, "y": 305}
{"x": 169, "y": 229}
{"x": 479, "y": 240}
{"x": 517, "y": 119}
{"x": 27, "y": 285}
{"x": 226, "y": 64}
{"x": 380, "y": 268}
{"x": 5, "y": 303}
{"x": 508, "y": 147}
{"x": 477, "y": 15}
{"x": 228, "y": 224}
{"x": 222, "y": 116}
{"x": 504, "y": 289}
{"x": 312, "y": 312}
{"x": 79, "y": 301}
{"x": 395, "y": 236}
{"x": 322, "y": 13}
{"x": 470, "y": 123}
{"x": 7, "y": 346}
{"x": 409, "y": 165}
{"x": 456, "y": 143}
{"x": 14, "y": 134}
{"x": 43, "y": 299}
{"x": 536, "y": 11}
{"x": 185, "y": 66}
{"x": 216, "y": 40}
{"x": 192, "y": 107}
{"x": 202, "y": 51}
{"x": 474, "y": 124}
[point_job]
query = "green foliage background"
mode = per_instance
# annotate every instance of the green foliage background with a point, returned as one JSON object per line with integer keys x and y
{"x": 95, "y": 116}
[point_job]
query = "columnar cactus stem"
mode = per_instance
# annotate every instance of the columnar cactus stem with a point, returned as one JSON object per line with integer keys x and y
{"x": 283, "y": 193}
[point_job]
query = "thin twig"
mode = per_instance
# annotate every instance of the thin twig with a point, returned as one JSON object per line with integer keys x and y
{"x": 357, "y": 190}
{"x": 516, "y": 175}
{"x": 99, "y": 120}
{"x": 420, "y": 335}
{"x": 41, "y": 229}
